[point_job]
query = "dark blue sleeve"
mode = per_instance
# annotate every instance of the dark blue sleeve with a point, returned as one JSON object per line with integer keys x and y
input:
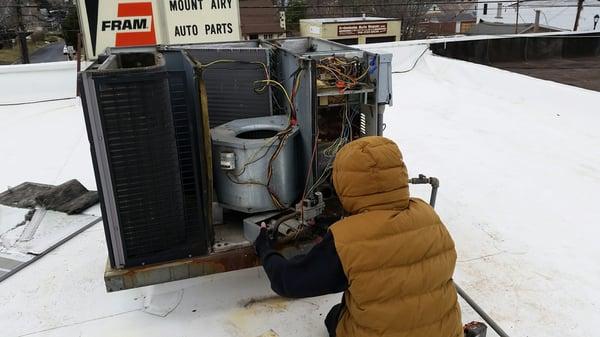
{"x": 317, "y": 273}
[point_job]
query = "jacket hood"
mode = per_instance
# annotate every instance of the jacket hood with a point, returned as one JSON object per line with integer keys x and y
{"x": 369, "y": 174}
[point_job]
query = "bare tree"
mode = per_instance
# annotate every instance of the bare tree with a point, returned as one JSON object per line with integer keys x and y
{"x": 8, "y": 17}
{"x": 411, "y": 12}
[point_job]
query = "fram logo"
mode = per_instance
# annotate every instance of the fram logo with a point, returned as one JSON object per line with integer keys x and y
{"x": 134, "y": 25}
{"x": 137, "y": 24}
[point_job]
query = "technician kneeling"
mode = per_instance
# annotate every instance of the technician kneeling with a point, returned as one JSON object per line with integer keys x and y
{"x": 393, "y": 257}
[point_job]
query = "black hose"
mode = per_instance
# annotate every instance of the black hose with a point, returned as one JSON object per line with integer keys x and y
{"x": 281, "y": 220}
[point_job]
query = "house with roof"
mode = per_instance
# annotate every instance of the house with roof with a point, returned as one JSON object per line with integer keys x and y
{"x": 553, "y": 13}
{"x": 446, "y": 19}
{"x": 261, "y": 20}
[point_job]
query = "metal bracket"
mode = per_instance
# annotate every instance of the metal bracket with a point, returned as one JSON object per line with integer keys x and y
{"x": 434, "y": 182}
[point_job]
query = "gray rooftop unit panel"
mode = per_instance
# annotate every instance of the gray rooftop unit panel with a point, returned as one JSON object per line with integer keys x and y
{"x": 230, "y": 86}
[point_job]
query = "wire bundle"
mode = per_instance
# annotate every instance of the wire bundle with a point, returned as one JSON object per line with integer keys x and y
{"x": 341, "y": 72}
{"x": 281, "y": 138}
{"x": 261, "y": 86}
{"x": 331, "y": 151}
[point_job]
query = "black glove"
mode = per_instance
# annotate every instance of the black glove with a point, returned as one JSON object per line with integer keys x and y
{"x": 262, "y": 244}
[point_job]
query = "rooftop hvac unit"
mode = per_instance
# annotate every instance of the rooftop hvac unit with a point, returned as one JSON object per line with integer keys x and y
{"x": 278, "y": 112}
{"x": 146, "y": 144}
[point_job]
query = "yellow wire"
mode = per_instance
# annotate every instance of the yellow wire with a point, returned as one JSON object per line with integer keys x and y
{"x": 234, "y": 61}
{"x": 278, "y": 85}
{"x": 298, "y": 81}
{"x": 266, "y": 82}
{"x": 285, "y": 133}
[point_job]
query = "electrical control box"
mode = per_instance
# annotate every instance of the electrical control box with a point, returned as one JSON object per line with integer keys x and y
{"x": 341, "y": 93}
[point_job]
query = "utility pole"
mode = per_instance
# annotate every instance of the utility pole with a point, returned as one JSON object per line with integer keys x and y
{"x": 536, "y": 26}
{"x": 579, "y": 8}
{"x": 22, "y": 34}
{"x": 78, "y": 56}
{"x": 517, "y": 19}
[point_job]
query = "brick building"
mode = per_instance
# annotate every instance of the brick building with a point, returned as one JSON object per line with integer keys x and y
{"x": 260, "y": 19}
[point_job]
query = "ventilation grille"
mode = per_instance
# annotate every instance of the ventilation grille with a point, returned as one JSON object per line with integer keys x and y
{"x": 140, "y": 141}
{"x": 363, "y": 124}
{"x": 230, "y": 86}
{"x": 183, "y": 121}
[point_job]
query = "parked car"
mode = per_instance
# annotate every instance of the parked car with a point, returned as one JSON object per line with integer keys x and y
{"x": 68, "y": 50}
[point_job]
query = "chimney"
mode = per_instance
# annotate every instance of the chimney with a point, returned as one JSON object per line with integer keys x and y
{"x": 536, "y": 25}
{"x": 499, "y": 11}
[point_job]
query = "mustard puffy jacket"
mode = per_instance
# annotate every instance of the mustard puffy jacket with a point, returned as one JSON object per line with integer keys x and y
{"x": 396, "y": 253}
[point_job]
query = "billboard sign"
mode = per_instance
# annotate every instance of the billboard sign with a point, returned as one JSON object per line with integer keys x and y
{"x": 362, "y": 29}
{"x": 121, "y": 23}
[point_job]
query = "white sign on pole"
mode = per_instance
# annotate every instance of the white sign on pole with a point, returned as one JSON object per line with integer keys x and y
{"x": 121, "y": 23}
{"x": 201, "y": 20}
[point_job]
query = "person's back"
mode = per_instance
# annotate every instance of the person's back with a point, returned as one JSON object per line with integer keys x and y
{"x": 393, "y": 253}
{"x": 396, "y": 253}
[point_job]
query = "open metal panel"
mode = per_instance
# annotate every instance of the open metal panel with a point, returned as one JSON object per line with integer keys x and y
{"x": 288, "y": 69}
{"x": 302, "y": 54}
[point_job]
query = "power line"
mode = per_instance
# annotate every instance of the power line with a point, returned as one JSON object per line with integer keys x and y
{"x": 19, "y": 6}
{"x": 400, "y": 4}
{"x": 404, "y": 4}
{"x": 36, "y": 102}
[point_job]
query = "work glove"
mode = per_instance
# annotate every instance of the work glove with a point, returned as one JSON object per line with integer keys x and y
{"x": 262, "y": 244}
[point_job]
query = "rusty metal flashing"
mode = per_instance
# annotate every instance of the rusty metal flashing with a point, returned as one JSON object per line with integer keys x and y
{"x": 121, "y": 279}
